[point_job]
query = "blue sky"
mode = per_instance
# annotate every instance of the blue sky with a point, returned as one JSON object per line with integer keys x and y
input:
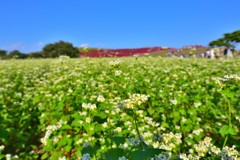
{"x": 28, "y": 25}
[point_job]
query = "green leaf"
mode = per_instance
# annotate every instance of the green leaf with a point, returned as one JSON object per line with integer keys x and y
{"x": 139, "y": 155}
{"x": 67, "y": 148}
{"x": 225, "y": 130}
{"x": 91, "y": 150}
{"x": 118, "y": 140}
{"x": 176, "y": 115}
{"x": 66, "y": 126}
{"x": 145, "y": 154}
{"x": 114, "y": 154}
{"x": 76, "y": 123}
{"x": 98, "y": 119}
{"x": 151, "y": 111}
{"x": 182, "y": 111}
{"x": 3, "y": 134}
{"x": 186, "y": 127}
{"x": 46, "y": 155}
{"x": 228, "y": 94}
{"x": 103, "y": 115}
{"x": 36, "y": 100}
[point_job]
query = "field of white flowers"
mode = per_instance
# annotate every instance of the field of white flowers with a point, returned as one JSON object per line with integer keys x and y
{"x": 138, "y": 108}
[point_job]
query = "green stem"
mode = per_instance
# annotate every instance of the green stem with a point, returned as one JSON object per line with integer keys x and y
{"x": 174, "y": 119}
{"x": 225, "y": 141}
{"x": 111, "y": 132}
{"x": 136, "y": 125}
{"x": 229, "y": 122}
{"x": 229, "y": 112}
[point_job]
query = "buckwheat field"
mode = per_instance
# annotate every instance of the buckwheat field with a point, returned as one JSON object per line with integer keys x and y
{"x": 139, "y": 108}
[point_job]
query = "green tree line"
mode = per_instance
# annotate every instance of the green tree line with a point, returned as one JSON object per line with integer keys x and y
{"x": 51, "y": 50}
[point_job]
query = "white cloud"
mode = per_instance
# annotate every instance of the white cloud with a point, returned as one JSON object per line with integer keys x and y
{"x": 84, "y": 45}
{"x": 40, "y": 44}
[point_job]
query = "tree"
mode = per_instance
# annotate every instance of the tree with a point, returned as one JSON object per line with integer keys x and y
{"x": 229, "y": 40}
{"x": 39, "y": 54}
{"x": 17, "y": 54}
{"x": 3, "y": 53}
{"x": 57, "y": 49}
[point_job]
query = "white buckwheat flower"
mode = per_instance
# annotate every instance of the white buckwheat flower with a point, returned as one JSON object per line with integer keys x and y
{"x": 88, "y": 120}
{"x": 8, "y": 156}
{"x": 2, "y": 147}
{"x": 117, "y": 130}
{"x": 89, "y": 106}
{"x": 118, "y": 72}
{"x": 174, "y": 101}
{"x": 197, "y": 104}
{"x": 115, "y": 63}
{"x": 100, "y": 98}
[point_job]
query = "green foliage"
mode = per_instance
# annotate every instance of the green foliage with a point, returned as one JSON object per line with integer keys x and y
{"x": 60, "y": 48}
{"x": 233, "y": 37}
{"x": 228, "y": 40}
{"x": 39, "y": 54}
{"x": 3, "y": 53}
{"x": 228, "y": 130}
{"x": 15, "y": 54}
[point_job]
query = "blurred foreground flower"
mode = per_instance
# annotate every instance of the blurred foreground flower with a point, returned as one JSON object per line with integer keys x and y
{"x": 115, "y": 63}
{"x": 135, "y": 100}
